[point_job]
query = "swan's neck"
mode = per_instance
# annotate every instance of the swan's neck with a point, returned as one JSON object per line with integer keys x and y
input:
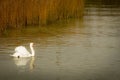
{"x": 32, "y": 51}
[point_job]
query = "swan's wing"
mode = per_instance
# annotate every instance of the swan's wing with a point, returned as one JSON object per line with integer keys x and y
{"x": 21, "y": 49}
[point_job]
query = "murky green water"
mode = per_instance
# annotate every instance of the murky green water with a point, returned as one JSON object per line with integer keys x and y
{"x": 86, "y": 49}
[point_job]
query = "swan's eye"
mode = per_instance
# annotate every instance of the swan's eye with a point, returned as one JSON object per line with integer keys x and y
{"x": 18, "y": 56}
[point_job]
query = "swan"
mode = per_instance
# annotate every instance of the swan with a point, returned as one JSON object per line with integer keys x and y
{"x": 21, "y": 51}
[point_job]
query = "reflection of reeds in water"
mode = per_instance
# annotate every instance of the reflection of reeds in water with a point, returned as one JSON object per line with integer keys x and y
{"x": 24, "y": 62}
{"x": 17, "y": 13}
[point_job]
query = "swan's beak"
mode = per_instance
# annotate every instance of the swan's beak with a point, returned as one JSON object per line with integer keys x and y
{"x": 33, "y": 45}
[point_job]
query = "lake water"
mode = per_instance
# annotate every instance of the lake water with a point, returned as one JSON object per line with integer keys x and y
{"x": 79, "y": 49}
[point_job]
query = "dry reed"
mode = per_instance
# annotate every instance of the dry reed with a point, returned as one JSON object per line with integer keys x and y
{"x": 18, "y": 13}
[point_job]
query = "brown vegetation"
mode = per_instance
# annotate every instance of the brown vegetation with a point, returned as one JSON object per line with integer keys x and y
{"x": 17, "y": 13}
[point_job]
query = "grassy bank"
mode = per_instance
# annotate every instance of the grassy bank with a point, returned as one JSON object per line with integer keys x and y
{"x": 18, "y": 13}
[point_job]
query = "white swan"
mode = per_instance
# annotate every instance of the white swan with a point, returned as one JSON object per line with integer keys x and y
{"x": 21, "y": 51}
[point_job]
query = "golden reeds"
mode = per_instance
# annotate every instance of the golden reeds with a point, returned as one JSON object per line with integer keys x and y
{"x": 18, "y": 13}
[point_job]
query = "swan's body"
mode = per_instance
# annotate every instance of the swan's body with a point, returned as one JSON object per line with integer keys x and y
{"x": 21, "y": 51}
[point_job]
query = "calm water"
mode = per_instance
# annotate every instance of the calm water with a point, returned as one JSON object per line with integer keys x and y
{"x": 86, "y": 49}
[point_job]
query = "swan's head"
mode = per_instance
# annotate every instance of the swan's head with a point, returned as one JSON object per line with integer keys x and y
{"x": 31, "y": 44}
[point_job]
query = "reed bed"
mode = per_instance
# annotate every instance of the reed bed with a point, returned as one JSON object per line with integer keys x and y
{"x": 19, "y": 13}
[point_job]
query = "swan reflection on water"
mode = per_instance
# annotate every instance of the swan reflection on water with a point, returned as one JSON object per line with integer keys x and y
{"x": 25, "y": 63}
